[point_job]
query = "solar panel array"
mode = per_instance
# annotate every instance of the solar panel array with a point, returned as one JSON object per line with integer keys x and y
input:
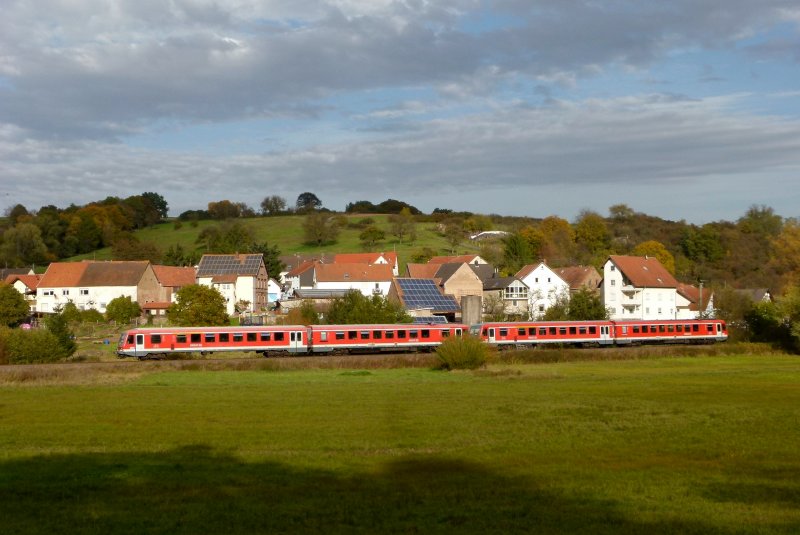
{"x": 229, "y": 264}
{"x": 429, "y": 319}
{"x": 423, "y": 293}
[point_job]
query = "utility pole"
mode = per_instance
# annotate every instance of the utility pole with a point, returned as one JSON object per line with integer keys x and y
{"x": 700, "y": 304}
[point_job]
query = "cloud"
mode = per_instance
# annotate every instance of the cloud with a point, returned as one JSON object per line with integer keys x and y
{"x": 666, "y": 145}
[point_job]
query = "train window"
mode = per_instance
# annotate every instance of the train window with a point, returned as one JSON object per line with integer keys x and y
{"x": 266, "y": 337}
{"x": 695, "y": 327}
{"x": 484, "y": 333}
{"x": 377, "y": 335}
{"x": 562, "y": 331}
{"x": 209, "y": 337}
{"x": 194, "y": 338}
{"x": 352, "y": 335}
{"x": 710, "y": 328}
{"x": 238, "y": 337}
{"x": 365, "y": 335}
{"x": 635, "y": 328}
{"x": 582, "y": 330}
{"x": 679, "y": 328}
{"x": 155, "y": 338}
{"x": 340, "y": 335}
{"x": 661, "y": 328}
{"x": 670, "y": 328}
{"x": 553, "y": 331}
{"x": 280, "y": 336}
{"x": 401, "y": 334}
{"x": 542, "y": 331}
{"x": 592, "y": 329}
{"x": 572, "y": 330}
{"x": 130, "y": 338}
{"x": 521, "y": 331}
{"x": 180, "y": 338}
{"x": 445, "y": 333}
{"x": 426, "y": 333}
{"x": 251, "y": 337}
{"x": 531, "y": 331}
{"x": 389, "y": 334}
{"x": 504, "y": 332}
{"x": 224, "y": 337}
{"x": 413, "y": 334}
{"x": 323, "y": 336}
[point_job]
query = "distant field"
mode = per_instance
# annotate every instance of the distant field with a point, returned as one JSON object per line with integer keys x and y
{"x": 287, "y": 233}
{"x": 663, "y": 445}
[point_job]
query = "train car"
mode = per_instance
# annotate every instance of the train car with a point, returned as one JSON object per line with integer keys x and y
{"x": 337, "y": 339}
{"x": 151, "y": 343}
{"x": 519, "y": 335}
{"x": 669, "y": 332}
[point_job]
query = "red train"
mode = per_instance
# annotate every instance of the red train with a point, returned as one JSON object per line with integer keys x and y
{"x": 339, "y": 339}
{"x": 601, "y": 332}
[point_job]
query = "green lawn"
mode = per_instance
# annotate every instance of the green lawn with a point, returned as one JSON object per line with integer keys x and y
{"x": 287, "y": 233}
{"x": 669, "y": 445}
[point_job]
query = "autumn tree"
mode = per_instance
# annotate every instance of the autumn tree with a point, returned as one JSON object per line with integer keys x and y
{"x": 558, "y": 246}
{"x": 371, "y": 236}
{"x": 273, "y": 205}
{"x": 198, "y": 305}
{"x": 224, "y": 210}
{"x": 658, "y": 251}
{"x": 402, "y": 226}
{"x": 320, "y": 228}
{"x": 592, "y": 237}
{"x": 785, "y": 255}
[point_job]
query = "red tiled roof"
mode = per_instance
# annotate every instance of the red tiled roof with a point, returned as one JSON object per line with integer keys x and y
{"x": 353, "y": 272}
{"x": 302, "y": 268}
{"x": 461, "y": 259}
{"x": 575, "y": 276}
{"x": 176, "y": 277}
{"x": 644, "y": 271}
{"x": 692, "y": 293}
{"x": 63, "y": 274}
{"x": 422, "y": 271}
{"x": 31, "y": 281}
{"x": 364, "y": 258}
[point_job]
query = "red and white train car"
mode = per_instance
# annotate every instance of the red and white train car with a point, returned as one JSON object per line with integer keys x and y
{"x": 600, "y": 333}
{"x": 377, "y": 338}
{"x": 159, "y": 342}
{"x": 285, "y": 339}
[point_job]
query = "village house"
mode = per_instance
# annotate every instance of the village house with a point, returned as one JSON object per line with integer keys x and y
{"x": 456, "y": 279}
{"x": 240, "y": 278}
{"x": 170, "y": 279}
{"x": 93, "y": 284}
{"x": 505, "y": 295}
{"x": 25, "y": 284}
{"x": 423, "y": 299}
{"x": 545, "y": 288}
{"x": 693, "y": 302}
{"x": 639, "y": 287}
{"x": 369, "y": 279}
{"x": 578, "y": 277}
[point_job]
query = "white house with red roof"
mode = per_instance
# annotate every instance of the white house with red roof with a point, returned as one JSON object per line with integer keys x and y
{"x": 545, "y": 288}
{"x": 91, "y": 284}
{"x": 26, "y": 285}
{"x": 369, "y": 279}
{"x": 639, "y": 287}
{"x": 240, "y": 278}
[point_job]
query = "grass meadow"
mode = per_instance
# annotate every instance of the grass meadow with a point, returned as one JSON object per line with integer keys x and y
{"x": 703, "y": 444}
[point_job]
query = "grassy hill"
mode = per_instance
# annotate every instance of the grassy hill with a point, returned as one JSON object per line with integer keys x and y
{"x": 287, "y": 233}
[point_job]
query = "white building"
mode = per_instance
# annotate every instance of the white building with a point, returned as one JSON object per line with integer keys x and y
{"x": 369, "y": 279}
{"x": 545, "y": 287}
{"x": 240, "y": 278}
{"x": 639, "y": 287}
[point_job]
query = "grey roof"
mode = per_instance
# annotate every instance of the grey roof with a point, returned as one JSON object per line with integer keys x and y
{"x": 229, "y": 264}
{"x": 447, "y": 271}
{"x": 499, "y": 283}
{"x": 483, "y": 271}
{"x": 310, "y": 293}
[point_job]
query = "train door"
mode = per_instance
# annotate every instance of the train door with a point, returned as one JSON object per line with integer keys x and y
{"x": 140, "y": 345}
{"x": 296, "y": 342}
{"x": 490, "y": 335}
{"x": 605, "y": 334}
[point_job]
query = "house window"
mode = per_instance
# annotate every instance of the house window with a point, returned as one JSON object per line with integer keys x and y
{"x": 48, "y": 292}
{"x": 613, "y": 282}
{"x": 84, "y": 291}
{"x": 64, "y": 292}
{"x": 541, "y": 308}
{"x": 613, "y": 267}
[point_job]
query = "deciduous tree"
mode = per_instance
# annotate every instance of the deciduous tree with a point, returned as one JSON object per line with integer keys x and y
{"x": 657, "y": 250}
{"x": 355, "y": 307}
{"x": 273, "y": 205}
{"x": 13, "y": 308}
{"x": 197, "y": 305}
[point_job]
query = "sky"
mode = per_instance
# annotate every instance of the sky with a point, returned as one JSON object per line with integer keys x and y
{"x": 681, "y": 109}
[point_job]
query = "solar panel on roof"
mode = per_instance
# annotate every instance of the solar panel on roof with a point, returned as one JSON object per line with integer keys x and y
{"x": 423, "y": 293}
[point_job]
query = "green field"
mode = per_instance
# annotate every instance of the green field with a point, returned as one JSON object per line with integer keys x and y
{"x": 664, "y": 445}
{"x": 287, "y": 233}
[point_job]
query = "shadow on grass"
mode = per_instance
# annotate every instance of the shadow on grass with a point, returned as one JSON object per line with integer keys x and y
{"x": 194, "y": 490}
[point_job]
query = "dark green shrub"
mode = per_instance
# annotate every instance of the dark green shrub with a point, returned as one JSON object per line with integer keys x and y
{"x": 122, "y": 309}
{"x": 18, "y": 346}
{"x": 90, "y": 315}
{"x": 463, "y": 353}
{"x": 57, "y": 325}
